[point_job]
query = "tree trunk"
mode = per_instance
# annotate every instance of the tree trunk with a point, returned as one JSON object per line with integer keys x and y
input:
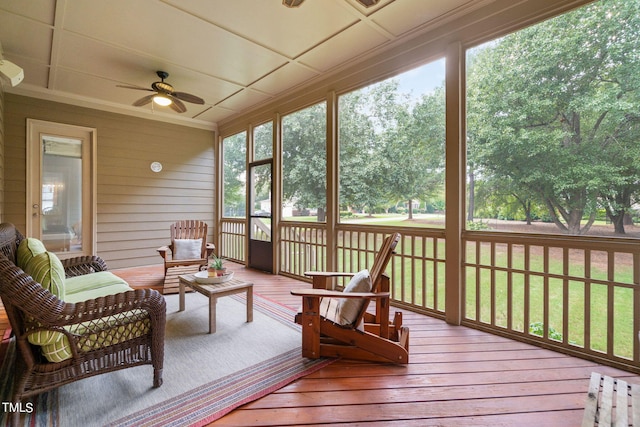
{"x": 471, "y": 206}
{"x": 410, "y": 209}
{"x": 617, "y": 219}
{"x": 527, "y": 212}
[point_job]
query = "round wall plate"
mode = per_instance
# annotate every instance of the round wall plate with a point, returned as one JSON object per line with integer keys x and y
{"x": 156, "y": 166}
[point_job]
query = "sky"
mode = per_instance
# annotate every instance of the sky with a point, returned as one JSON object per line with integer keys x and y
{"x": 423, "y": 79}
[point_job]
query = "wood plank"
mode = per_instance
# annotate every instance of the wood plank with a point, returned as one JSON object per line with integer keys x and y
{"x": 591, "y": 406}
{"x": 622, "y": 394}
{"x": 458, "y": 408}
{"x": 635, "y": 404}
{"x": 606, "y": 402}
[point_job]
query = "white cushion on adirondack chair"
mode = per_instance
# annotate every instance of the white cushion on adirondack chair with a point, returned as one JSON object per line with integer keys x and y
{"x": 187, "y": 248}
{"x": 344, "y": 311}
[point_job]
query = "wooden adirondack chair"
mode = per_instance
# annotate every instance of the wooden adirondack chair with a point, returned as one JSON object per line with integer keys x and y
{"x": 188, "y": 237}
{"x": 328, "y": 332}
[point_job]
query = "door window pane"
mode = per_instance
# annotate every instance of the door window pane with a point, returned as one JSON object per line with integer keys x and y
{"x": 61, "y": 204}
{"x": 261, "y": 202}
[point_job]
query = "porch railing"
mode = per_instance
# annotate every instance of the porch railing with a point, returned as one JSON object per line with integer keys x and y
{"x": 303, "y": 247}
{"x": 233, "y": 237}
{"x": 419, "y": 259}
{"x": 579, "y": 296}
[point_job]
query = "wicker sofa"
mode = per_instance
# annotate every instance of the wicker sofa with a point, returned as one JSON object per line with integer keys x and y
{"x": 102, "y": 325}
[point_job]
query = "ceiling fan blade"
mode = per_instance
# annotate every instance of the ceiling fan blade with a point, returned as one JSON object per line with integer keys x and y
{"x": 188, "y": 97}
{"x": 143, "y": 101}
{"x": 135, "y": 87}
{"x": 177, "y": 105}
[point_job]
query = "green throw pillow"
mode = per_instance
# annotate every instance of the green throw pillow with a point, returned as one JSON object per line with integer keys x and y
{"x": 47, "y": 270}
{"x": 29, "y": 248}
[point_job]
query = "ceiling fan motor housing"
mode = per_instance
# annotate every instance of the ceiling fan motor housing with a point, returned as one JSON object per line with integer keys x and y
{"x": 162, "y": 86}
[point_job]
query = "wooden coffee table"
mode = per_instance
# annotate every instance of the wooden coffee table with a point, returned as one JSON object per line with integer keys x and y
{"x": 215, "y": 291}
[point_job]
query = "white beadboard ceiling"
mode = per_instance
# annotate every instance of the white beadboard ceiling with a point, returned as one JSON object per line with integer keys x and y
{"x": 235, "y": 54}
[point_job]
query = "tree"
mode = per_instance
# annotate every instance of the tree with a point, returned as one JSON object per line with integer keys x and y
{"x": 304, "y": 157}
{"x": 234, "y": 171}
{"x": 362, "y": 167}
{"x": 415, "y": 148}
{"x": 554, "y": 108}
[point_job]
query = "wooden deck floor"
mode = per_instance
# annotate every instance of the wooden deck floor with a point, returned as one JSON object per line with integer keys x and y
{"x": 456, "y": 377}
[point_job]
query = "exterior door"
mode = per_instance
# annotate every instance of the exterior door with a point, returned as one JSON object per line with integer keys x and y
{"x": 61, "y": 187}
{"x": 260, "y": 215}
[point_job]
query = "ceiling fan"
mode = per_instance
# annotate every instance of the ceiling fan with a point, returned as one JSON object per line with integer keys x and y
{"x": 165, "y": 95}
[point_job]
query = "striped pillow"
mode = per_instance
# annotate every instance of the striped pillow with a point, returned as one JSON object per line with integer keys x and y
{"x": 47, "y": 270}
{"x": 27, "y": 249}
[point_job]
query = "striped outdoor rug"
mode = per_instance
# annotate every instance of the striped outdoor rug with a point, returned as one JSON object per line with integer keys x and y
{"x": 205, "y": 376}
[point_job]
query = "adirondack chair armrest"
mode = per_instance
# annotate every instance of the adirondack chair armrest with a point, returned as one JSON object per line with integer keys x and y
{"x": 162, "y": 250}
{"x": 322, "y": 293}
{"x": 210, "y": 248}
{"x": 324, "y": 279}
{"x": 328, "y": 273}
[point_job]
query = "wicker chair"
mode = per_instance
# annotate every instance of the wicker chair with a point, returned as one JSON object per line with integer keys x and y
{"x": 30, "y": 307}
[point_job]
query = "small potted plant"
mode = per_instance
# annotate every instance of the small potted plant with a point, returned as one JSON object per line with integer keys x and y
{"x": 216, "y": 267}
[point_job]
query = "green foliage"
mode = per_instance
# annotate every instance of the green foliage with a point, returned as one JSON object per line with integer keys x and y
{"x": 391, "y": 150}
{"x": 537, "y": 328}
{"x": 234, "y": 172}
{"x": 477, "y": 225}
{"x": 215, "y": 262}
{"x": 545, "y": 120}
{"x": 304, "y": 165}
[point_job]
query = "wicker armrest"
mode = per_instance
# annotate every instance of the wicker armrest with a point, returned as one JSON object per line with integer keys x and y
{"x": 82, "y": 265}
{"x": 64, "y": 314}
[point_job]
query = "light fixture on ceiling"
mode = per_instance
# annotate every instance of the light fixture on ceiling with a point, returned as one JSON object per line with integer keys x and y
{"x": 368, "y": 3}
{"x": 296, "y": 3}
{"x": 162, "y": 100}
{"x": 292, "y": 3}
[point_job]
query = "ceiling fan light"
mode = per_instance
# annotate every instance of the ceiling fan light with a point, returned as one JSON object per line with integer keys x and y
{"x": 161, "y": 100}
{"x": 292, "y": 3}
